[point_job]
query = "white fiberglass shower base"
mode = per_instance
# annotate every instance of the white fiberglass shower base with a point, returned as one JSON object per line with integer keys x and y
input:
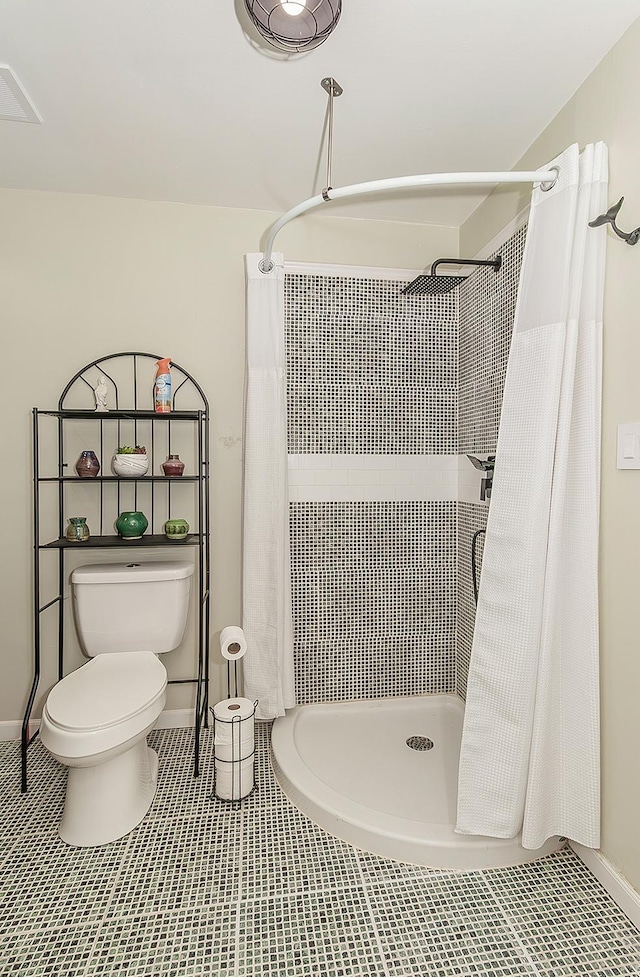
{"x": 347, "y": 765}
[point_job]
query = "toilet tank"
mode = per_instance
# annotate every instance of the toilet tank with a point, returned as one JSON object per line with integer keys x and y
{"x": 131, "y": 606}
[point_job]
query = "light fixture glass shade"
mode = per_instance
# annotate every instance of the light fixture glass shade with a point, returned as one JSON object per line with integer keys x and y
{"x": 305, "y": 30}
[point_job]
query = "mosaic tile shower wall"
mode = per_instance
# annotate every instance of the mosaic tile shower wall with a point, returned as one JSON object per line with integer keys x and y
{"x": 371, "y": 372}
{"x": 374, "y": 591}
{"x": 487, "y": 310}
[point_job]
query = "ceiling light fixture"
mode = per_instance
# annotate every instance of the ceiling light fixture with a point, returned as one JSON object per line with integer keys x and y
{"x": 294, "y": 25}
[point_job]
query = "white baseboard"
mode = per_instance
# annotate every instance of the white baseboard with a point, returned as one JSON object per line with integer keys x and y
{"x": 10, "y": 729}
{"x": 176, "y": 719}
{"x": 621, "y": 891}
{"x": 169, "y": 719}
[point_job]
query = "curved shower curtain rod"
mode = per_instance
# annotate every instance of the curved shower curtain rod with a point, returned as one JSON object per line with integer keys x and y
{"x": 546, "y": 179}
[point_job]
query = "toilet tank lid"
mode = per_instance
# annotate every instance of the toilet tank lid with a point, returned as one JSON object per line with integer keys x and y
{"x": 133, "y": 572}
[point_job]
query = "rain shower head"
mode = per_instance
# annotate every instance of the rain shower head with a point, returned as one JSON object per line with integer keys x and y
{"x": 433, "y": 284}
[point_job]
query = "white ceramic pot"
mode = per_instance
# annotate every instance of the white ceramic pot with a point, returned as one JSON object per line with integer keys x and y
{"x": 130, "y": 466}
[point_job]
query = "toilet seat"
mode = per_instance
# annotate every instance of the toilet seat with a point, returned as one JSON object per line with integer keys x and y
{"x": 102, "y": 705}
{"x": 106, "y": 691}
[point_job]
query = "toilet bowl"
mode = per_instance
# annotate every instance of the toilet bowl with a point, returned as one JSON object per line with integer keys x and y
{"x": 95, "y": 722}
{"x": 96, "y": 719}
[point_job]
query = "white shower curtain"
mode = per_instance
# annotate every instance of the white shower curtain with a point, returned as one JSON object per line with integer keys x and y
{"x": 530, "y": 750}
{"x": 266, "y": 576}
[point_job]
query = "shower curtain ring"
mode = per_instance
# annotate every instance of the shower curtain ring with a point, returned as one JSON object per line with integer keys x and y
{"x": 550, "y": 184}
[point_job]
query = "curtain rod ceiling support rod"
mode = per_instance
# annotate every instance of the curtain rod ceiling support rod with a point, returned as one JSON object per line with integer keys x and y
{"x": 333, "y": 90}
{"x": 545, "y": 178}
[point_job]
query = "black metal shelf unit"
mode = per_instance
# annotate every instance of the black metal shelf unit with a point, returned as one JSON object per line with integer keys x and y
{"x": 57, "y": 436}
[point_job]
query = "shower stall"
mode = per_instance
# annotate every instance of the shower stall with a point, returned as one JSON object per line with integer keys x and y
{"x": 386, "y": 394}
{"x": 358, "y": 586}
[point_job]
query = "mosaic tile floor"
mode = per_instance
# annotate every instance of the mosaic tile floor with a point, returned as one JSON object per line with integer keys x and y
{"x": 200, "y": 889}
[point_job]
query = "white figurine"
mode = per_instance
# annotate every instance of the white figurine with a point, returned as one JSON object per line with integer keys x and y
{"x": 101, "y": 395}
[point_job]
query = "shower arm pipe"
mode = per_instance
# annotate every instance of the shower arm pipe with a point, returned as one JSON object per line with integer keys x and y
{"x": 546, "y": 179}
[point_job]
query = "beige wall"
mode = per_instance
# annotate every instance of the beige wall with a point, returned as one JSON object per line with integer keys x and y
{"x": 606, "y": 108}
{"x": 85, "y": 276}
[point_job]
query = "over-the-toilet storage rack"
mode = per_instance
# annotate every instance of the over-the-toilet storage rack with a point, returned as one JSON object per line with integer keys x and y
{"x": 130, "y": 418}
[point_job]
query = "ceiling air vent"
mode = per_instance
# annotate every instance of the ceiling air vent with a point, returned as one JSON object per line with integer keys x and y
{"x": 15, "y": 104}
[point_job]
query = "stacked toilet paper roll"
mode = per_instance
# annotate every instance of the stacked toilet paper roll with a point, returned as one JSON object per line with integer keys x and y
{"x": 234, "y": 780}
{"x": 233, "y": 747}
{"x": 235, "y": 729}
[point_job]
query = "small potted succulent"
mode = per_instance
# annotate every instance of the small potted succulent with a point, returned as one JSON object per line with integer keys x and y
{"x": 130, "y": 462}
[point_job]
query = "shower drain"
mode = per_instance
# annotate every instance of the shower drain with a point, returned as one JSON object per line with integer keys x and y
{"x": 420, "y": 743}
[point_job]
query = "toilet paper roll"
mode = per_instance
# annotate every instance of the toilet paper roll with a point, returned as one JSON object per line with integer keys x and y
{"x": 234, "y": 709}
{"x": 234, "y": 729}
{"x": 234, "y": 780}
{"x": 237, "y": 748}
{"x": 233, "y": 644}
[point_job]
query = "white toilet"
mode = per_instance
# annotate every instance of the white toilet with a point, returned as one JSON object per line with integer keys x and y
{"x": 96, "y": 719}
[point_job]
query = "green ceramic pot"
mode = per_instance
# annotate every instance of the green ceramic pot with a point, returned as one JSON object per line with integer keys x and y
{"x": 176, "y": 528}
{"x": 131, "y": 525}
{"x": 77, "y": 531}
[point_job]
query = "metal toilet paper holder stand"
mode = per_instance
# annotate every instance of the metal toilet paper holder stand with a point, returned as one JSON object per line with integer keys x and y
{"x": 232, "y": 670}
{"x": 236, "y": 745}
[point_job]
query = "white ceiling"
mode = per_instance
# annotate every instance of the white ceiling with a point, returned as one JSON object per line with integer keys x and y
{"x": 169, "y": 100}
